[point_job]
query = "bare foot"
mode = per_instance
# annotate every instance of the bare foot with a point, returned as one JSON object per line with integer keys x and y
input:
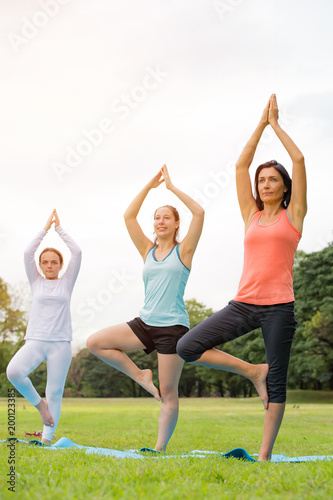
{"x": 160, "y": 449}
{"x": 46, "y": 441}
{"x": 263, "y": 458}
{"x": 259, "y": 381}
{"x": 44, "y": 413}
{"x": 146, "y": 381}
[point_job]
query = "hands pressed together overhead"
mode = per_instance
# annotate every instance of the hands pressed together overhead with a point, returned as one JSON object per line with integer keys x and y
{"x": 53, "y": 219}
{"x": 270, "y": 114}
{"x": 161, "y": 176}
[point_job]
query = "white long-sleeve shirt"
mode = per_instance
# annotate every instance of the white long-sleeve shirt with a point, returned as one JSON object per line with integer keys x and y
{"x": 50, "y": 317}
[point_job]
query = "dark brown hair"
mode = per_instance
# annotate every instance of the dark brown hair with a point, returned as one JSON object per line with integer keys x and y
{"x": 52, "y": 250}
{"x": 175, "y": 214}
{"x": 286, "y": 180}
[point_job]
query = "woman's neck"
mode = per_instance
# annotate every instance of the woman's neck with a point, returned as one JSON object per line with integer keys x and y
{"x": 163, "y": 246}
{"x": 271, "y": 211}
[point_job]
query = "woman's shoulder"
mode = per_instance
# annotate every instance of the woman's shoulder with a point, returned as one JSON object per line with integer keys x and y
{"x": 253, "y": 218}
{"x": 149, "y": 253}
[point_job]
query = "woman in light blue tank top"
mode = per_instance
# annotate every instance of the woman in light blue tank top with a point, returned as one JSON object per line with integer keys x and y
{"x": 163, "y": 318}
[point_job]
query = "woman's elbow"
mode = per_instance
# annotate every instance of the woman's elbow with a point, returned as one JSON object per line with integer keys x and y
{"x": 200, "y": 212}
{"x": 300, "y": 158}
{"x": 127, "y": 216}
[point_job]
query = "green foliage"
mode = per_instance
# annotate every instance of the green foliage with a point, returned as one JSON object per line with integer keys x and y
{"x": 12, "y": 323}
{"x": 101, "y": 380}
{"x": 192, "y": 381}
{"x": 91, "y": 377}
{"x": 314, "y": 349}
{"x": 313, "y": 281}
{"x": 312, "y": 355}
{"x": 197, "y": 312}
{"x": 38, "y": 378}
{"x": 311, "y": 364}
{"x": 12, "y": 328}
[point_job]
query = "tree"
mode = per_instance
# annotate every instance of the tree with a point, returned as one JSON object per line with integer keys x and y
{"x": 91, "y": 377}
{"x": 311, "y": 364}
{"x": 193, "y": 378}
{"x": 314, "y": 349}
{"x": 313, "y": 281}
{"x": 311, "y": 360}
{"x": 12, "y": 328}
{"x": 76, "y": 374}
{"x": 197, "y": 312}
{"x": 12, "y": 321}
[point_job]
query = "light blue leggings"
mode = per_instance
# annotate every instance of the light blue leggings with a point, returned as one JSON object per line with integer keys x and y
{"x": 58, "y": 356}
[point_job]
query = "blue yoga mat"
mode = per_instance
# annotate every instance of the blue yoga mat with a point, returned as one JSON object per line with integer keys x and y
{"x": 242, "y": 454}
{"x": 238, "y": 453}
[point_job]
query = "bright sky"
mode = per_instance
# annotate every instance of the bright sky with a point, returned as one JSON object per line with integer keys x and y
{"x": 96, "y": 96}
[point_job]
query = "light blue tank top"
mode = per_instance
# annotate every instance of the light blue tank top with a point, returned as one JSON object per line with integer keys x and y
{"x": 165, "y": 283}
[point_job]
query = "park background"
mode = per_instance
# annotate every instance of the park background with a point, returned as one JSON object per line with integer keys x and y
{"x": 95, "y": 97}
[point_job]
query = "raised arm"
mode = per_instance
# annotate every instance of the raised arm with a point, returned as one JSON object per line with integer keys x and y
{"x": 298, "y": 206}
{"x": 140, "y": 240}
{"x": 189, "y": 243}
{"x": 29, "y": 253}
{"x": 29, "y": 256}
{"x": 246, "y": 199}
{"x": 76, "y": 254}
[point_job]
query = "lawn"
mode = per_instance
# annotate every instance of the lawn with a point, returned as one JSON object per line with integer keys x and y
{"x": 204, "y": 424}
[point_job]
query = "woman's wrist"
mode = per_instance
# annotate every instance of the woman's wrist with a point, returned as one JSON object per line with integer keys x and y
{"x": 263, "y": 124}
{"x": 274, "y": 124}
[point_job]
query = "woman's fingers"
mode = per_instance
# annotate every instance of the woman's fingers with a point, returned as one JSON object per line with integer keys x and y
{"x": 273, "y": 108}
{"x": 166, "y": 175}
{"x": 50, "y": 220}
{"x": 56, "y": 219}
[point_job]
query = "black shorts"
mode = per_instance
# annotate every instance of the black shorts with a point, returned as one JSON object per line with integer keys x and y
{"x": 162, "y": 338}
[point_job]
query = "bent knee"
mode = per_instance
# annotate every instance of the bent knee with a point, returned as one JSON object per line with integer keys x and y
{"x": 185, "y": 352}
{"x": 13, "y": 373}
{"x": 92, "y": 344}
{"x": 181, "y": 349}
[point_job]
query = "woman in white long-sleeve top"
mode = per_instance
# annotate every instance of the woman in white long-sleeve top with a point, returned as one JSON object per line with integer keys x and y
{"x": 49, "y": 332}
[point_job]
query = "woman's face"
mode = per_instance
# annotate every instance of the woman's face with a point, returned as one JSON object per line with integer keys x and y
{"x": 271, "y": 187}
{"x": 50, "y": 265}
{"x": 165, "y": 224}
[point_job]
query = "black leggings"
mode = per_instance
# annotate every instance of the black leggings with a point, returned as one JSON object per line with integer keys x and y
{"x": 278, "y": 326}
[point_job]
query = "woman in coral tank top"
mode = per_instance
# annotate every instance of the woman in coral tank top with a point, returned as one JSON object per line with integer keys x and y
{"x": 273, "y": 219}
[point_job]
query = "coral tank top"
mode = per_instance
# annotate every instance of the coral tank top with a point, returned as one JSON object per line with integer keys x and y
{"x": 269, "y": 252}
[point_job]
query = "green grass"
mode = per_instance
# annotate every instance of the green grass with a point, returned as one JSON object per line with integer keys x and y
{"x": 206, "y": 424}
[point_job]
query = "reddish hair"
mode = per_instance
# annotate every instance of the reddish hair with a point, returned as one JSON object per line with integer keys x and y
{"x": 52, "y": 250}
{"x": 175, "y": 214}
